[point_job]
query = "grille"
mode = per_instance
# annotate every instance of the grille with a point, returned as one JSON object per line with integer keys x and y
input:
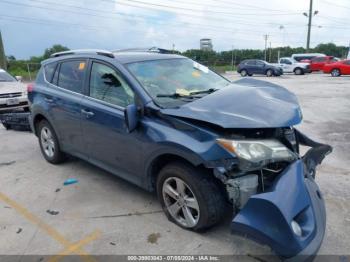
{"x": 10, "y": 95}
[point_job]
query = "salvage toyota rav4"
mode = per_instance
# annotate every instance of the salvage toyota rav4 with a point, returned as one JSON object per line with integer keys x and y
{"x": 170, "y": 125}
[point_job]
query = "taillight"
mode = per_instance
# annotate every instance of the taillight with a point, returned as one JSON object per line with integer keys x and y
{"x": 30, "y": 87}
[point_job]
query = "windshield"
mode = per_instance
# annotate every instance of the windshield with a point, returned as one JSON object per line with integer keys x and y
{"x": 6, "y": 77}
{"x": 172, "y": 82}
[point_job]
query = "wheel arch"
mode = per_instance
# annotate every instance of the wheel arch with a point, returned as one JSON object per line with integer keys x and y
{"x": 157, "y": 163}
{"x": 36, "y": 120}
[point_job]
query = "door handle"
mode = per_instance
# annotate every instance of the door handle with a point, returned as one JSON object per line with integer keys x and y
{"x": 48, "y": 100}
{"x": 87, "y": 113}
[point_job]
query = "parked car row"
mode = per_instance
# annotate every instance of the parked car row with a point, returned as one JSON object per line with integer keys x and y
{"x": 298, "y": 64}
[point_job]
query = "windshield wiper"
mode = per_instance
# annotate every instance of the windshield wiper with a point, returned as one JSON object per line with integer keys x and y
{"x": 177, "y": 95}
{"x": 208, "y": 91}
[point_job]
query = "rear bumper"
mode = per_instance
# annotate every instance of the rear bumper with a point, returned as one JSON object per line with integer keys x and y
{"x": 267, "y": 217}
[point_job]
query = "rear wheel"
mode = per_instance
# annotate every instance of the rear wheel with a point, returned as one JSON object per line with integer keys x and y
{"x": 298, "y": 71}
{"x": 335, "y": 72}
{"x": 244, "y": 72}
{"x": 269, "y": 73}
{"x": 49, "y": 143}
{"x": 189, "y": 198}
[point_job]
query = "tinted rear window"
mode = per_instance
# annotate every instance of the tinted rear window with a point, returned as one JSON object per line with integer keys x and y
{"x": 71, "y": 75}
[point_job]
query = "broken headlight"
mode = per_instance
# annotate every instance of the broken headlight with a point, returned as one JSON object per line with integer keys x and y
{"x": 254, "y": 154}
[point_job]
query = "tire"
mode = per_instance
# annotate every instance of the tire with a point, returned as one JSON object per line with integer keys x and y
{"x": 207, "y": 204}
{"x": 269, "y": 73}
{"x": 49, "y": 143}
{"x": 244, "y": 72}
{"x": 335, "y": 72}
{"x": 250, "y": 74}
{"x": 298, "y": 71}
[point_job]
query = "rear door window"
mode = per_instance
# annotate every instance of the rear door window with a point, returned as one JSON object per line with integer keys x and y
{"x": 71, "y": 75}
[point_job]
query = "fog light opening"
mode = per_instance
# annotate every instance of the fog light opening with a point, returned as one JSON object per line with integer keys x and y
{"x": 296, "y": 228}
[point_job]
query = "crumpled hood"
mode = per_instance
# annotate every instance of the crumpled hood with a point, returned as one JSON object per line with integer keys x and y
{"x": 244, "y": 104}
{"x": 12, "y": 87}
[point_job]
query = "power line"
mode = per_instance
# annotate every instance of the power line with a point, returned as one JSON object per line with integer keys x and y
{"x": 211, "y": 11}
{"x": 208, "y": 27}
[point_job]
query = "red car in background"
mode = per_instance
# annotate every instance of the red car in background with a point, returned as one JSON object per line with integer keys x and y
{"x": 337, "y": 68}
{"x": 317, "y": 63}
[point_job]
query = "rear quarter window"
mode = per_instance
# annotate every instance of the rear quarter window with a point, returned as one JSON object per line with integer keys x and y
{"x": 49, "y": 71}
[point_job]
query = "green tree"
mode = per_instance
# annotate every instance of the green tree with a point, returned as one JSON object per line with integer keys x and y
{"x": 54, "y": 49}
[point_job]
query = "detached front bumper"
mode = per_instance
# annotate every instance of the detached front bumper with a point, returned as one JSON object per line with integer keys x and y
{"x": 293, "y": 198}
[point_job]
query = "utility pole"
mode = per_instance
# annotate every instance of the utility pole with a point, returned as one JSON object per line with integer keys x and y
{"x": 173, "y": 48}
{"x": 232, "y": 59}
{"x": 3, "y": 63}
{"x": 266, "y": 37}
{"x": 309, "y": 27}
{"x": 270, "y": 53}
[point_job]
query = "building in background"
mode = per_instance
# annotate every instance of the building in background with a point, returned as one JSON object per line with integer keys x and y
{"x": 206, "y": 44}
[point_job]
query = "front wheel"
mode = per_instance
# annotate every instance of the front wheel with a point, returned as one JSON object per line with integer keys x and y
{"x": 299, "y": 71}
{"x": 244, "y": 72}
{"x": 189, "y": 198}
{"x": 335, "y": 73}
{"x": 49, "y": 143}
{"x": 269, "y": 73}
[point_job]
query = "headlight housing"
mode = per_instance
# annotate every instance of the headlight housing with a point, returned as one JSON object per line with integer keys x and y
{"x": 254, "y": 154}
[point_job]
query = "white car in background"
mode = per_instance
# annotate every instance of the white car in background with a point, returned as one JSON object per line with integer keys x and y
{"x": 289, "y": 65}
{"x": 13, "y": 93}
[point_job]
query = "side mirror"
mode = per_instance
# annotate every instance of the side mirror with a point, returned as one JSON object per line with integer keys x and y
{"x": 131, "y": 117}
{"x": 19, "y": 78}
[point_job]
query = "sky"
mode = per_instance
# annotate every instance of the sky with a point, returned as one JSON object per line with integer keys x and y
{"x": 30, "y": 26}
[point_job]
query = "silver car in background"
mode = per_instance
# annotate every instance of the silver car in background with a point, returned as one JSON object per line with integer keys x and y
{"x": 13, "y": 93}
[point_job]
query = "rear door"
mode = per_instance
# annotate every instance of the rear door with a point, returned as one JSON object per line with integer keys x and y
{"x": 260, "y": 67}
{"x": 63, "y": 101}
{"x": 105, "y": 134}
{"x": 251, "y": 66}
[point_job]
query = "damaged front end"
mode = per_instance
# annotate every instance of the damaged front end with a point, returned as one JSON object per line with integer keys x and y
{"x": 273, "y": 190}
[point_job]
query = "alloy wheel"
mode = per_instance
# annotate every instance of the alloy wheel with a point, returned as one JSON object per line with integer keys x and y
{"x": 335, "y": 72}
{"x": 47, "y": 142}
{"x": 180, "y": 202}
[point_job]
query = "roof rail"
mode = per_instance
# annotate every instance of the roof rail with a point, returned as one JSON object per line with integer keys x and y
{"x": 83, "y": 52}
{"x": 146, "y": 49}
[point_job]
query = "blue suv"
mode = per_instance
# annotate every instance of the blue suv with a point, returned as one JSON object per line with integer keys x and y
{"x": 169, "y": 124}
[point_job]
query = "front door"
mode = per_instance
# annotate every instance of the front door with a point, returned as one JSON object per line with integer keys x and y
{"x": 104, "y": 131}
